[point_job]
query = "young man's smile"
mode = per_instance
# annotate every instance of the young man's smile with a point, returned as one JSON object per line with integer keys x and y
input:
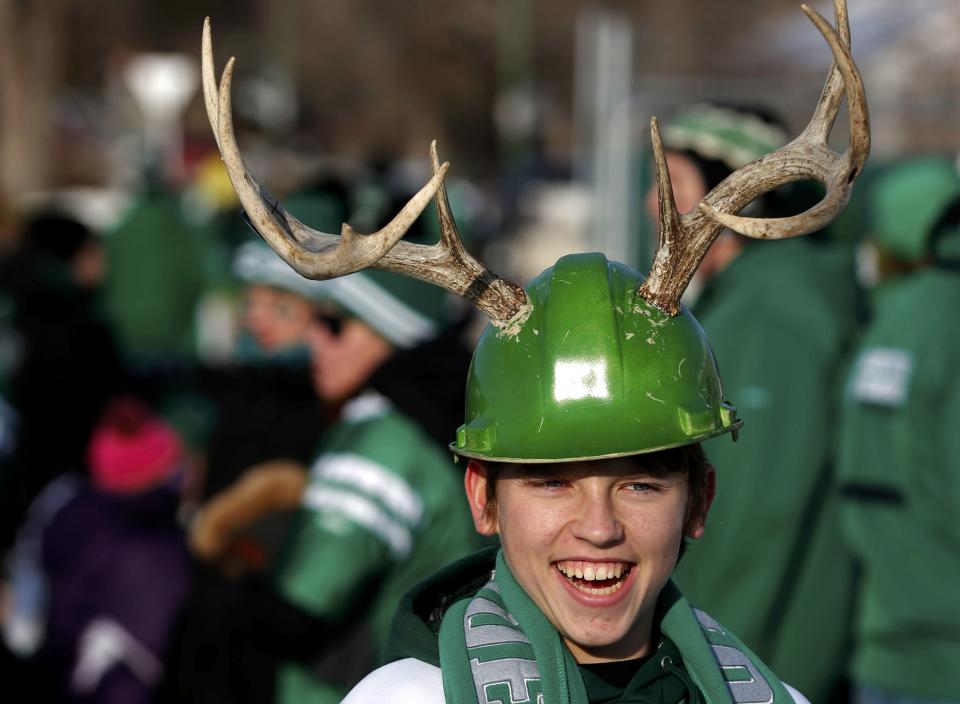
{"x": 596, "y": 583}
{"x": 593, "y": 544}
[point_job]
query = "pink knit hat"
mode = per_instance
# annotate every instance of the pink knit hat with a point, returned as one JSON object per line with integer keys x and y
{"x": 132, "y": 450}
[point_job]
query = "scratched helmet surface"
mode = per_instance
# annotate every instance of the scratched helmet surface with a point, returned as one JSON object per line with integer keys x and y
{"x": 594, "y": 372}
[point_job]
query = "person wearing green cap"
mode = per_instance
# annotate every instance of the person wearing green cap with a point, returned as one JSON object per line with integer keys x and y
{"x": 900, "y": 447}
{"x": 780, "y": 318}
{"x": 903, "y": 207}
{"x": 375, "y": 507}
{"x": 381, "y": 509}
{"x": 588, "y": 396}
{"x": 265, "y": 407}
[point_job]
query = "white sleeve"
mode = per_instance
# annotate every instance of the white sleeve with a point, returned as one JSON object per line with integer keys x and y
{"x": 412, "y": 681}
{"x": 406, "y": 681}
{"x": 797, "y": 697}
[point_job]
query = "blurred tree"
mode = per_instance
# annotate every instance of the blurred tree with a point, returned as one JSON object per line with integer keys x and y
{"x": 30, "y": 50}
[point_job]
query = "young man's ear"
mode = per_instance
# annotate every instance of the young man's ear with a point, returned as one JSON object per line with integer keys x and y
{"x": 475, "y": 484}
{"x": 698, "y": 518}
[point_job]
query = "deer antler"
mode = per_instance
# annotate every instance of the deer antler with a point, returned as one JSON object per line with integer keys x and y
{"x": 685, "y": 239}
{"x": 318, "y": 255}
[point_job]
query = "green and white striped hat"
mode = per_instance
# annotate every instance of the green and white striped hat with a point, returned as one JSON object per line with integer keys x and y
{"x": 404, "y": 311}
{"x": 723, "y": 134}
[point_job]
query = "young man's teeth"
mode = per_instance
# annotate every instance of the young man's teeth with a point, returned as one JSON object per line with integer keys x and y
{"x": 594, "y": 572}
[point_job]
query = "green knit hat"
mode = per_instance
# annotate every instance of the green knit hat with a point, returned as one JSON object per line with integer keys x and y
{"x": 724, "y": 134}
{"x": 907, "y": 200}
{"x": 404, "y": 311}
{"x": 255, "y": 263}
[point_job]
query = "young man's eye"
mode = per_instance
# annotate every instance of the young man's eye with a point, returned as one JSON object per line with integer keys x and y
{"x": 641, "y": 487}
{"x": 548, "y": 484}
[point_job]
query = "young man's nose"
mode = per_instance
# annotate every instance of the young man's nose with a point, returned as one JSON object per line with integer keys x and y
{"x": 597, "y": 522}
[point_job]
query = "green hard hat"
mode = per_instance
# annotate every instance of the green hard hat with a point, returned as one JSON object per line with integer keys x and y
{"x": 594, "y": 372}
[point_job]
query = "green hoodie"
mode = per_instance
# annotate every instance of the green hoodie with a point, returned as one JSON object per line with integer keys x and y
{"x": 771, "y": 565}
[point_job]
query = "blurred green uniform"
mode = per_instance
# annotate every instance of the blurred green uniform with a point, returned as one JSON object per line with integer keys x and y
{"x": 900, "y": 468}
{"x": 384, "y": 509}
{"x": 770, "y": 565}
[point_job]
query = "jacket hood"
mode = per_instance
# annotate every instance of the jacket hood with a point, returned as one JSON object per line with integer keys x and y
{"x": 414, "y": 632}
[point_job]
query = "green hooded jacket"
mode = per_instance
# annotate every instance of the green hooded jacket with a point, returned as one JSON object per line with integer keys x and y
{"x": 771, "y": 565}
{"x": 900, "y": 468}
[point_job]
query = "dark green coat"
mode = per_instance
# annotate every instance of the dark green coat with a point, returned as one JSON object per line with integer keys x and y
{"x": 900, "y": 467}
{"x": 770, "y": 565}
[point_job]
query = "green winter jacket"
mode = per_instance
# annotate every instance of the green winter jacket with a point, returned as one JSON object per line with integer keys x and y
{"x": 771, "y": 565}
{"x": 384, "y": 508}
{"x": 900, "y": 468}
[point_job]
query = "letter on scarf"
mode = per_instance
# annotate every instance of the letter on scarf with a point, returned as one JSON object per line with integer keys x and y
{"x": 500, "y": 679}
{"x": 745, "y": 682}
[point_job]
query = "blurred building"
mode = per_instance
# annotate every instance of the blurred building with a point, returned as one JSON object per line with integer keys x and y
{"x": 362, "y": 75}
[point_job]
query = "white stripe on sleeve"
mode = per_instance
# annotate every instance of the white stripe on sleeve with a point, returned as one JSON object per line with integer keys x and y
{"x": 373, "y": 479}
{"x": 363, "y": 512}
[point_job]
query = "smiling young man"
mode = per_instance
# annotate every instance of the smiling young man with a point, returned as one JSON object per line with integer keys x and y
{"x": 587, "y": 399}
{"x": 582, "y": 442}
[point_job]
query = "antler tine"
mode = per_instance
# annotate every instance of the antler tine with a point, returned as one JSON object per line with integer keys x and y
{"x": 670, "y": 225}
{"x": 807, "y": 157}
{"x": 673, "y": 242}
{"x": 821, "y": 123}
{"x": 318, "y": 255}
{"x": 211, "y": 98}
{"x": 449, "y": 234}
{"x": 449, "y": 265}
{"x": 311, "y": 253}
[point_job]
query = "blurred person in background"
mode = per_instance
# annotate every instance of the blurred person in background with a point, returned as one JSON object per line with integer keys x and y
{"x": 779, "y": 318}
{"x": 268, "y": 424}
{"x": 115, "y": 563}
{"x": 266, "y": 408}
{"x": 381, "y": 508}
{"x": 64, "y": 365}
{"x": 159, "y": 264}
{"x": 425, "y": 381}
{"x": 900, "y": 443}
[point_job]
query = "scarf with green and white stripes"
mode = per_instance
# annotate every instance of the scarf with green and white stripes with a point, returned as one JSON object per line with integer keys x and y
{"x": 497, "y": 647}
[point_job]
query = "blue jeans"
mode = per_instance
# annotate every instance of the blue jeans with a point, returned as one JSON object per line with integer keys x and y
{"x": 867, "y": 694}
